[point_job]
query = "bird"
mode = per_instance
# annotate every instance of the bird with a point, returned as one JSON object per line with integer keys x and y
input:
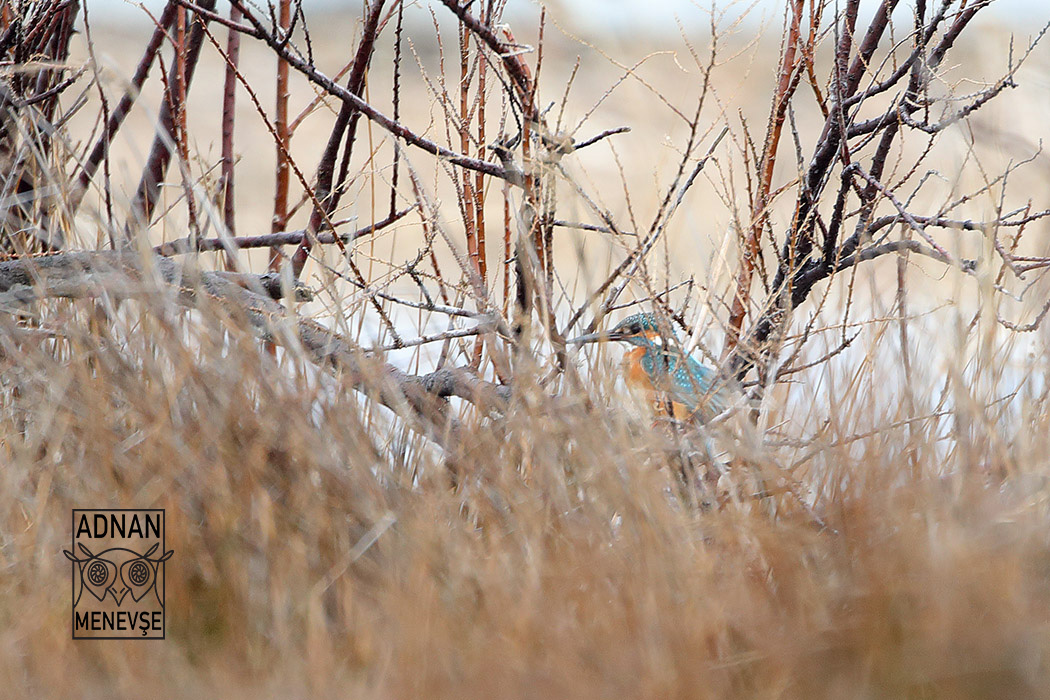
{"x": 658, "y": 365}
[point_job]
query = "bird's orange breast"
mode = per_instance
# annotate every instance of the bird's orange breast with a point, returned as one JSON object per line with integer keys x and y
{"x": 638, "y": 377}
{"x": 634, "y": 371}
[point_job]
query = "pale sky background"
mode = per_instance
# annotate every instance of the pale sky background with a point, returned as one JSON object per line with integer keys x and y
{"x": 623, "y": 16}
{"x": 659, "y": 14}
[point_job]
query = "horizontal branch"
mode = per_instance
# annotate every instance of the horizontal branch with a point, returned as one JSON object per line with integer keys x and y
{"x": 120, "y": 274}
{"x": 1026, "y": 327}
{"x": 901, "y": 112}
{"x": 589, "y": 227}
{"x": 959, "y": 224}
{"x": 604, "y": 135}
{"x": 968, "y": 109}
{"x": 904, "y": 214}
{"x": 90, "y": 274}
{"x": 900, "y": 246}
{"x": 436, "y": 338}
{"x": 187, "y": 245}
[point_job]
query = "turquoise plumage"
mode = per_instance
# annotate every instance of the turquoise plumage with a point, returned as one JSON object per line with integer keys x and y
{"x": 689, "y": 382}
{"x": 659, "y": 365}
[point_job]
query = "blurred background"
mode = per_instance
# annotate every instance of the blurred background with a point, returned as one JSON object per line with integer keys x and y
{"x": 321, "y": 544}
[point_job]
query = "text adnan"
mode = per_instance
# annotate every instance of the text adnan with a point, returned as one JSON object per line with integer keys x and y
{"x": 117, "y": 524}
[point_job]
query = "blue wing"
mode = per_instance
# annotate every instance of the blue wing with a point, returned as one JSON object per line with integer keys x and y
{"x": 687, "y": 381}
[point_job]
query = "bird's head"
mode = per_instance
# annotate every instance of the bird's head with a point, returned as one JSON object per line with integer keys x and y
{"x": 640, "y": 329}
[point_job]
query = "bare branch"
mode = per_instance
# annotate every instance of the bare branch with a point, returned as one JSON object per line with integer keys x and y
{"x": 232, "y": 244}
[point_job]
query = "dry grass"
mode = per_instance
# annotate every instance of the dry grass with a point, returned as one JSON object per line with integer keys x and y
{"x": 879, "y": 534}
{"x": 316, "y": 556}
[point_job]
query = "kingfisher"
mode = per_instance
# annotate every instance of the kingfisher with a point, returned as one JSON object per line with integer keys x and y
{"x": 662, "y": 369}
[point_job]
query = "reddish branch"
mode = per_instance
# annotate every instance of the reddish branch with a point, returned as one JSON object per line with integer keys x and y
{"x": 116, "y": 117}
{"x": 509, "y": 55}
{"x": 148, "y": 191}
{"x": 327, "y": 192}
{"x": 284, "y": 137}
{"x": 181, "y": 131}
{"x": 787, "y": 81}
{"x": 229, "y": 102}
{"x": 469, "y": 202}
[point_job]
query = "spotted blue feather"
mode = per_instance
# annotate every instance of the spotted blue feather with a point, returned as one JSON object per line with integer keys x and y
{"x": 687, "y": 381}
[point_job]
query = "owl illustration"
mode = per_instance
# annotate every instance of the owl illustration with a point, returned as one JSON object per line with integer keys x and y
{"x": 117, "y": 572}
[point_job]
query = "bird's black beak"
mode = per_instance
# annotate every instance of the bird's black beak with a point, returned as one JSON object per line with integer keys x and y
{"x": 596, "y": 337}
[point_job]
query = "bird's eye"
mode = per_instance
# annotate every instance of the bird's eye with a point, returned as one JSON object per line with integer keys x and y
{"x": 635, "y": 328}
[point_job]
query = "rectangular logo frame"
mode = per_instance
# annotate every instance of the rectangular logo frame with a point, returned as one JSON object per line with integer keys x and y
{"x": 118, "y": 581}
